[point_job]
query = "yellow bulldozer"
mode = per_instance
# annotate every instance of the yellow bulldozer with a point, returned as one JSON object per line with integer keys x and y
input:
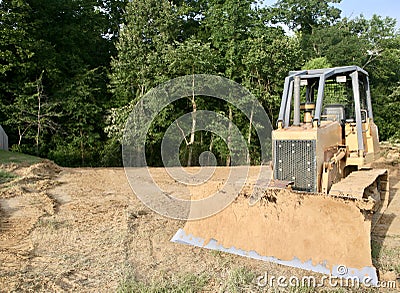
{"x": 324, "y": 198}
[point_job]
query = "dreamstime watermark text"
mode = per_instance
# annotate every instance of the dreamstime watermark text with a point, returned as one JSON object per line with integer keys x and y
{"x": 269, "y": 280}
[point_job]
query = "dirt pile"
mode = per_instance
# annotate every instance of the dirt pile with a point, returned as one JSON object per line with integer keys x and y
{"x": 390, "y": 156}
{"x": 23, "y": 202}
{"x": 44, "y": 170}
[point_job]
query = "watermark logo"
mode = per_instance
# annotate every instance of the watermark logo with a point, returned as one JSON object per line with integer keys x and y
{"x": 342, "y": 279}
{"x": 342, "y": 270}
{"x": 147, "y": 111}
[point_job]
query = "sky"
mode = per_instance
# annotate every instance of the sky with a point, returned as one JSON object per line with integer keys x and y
{"x": 353, "y": 8}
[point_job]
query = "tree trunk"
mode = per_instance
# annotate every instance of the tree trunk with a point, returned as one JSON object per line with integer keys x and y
{"x": 229, "y": 139}
{"x": 38, "y": 118}
{"x": 192, "y": 132}
{"x": 20, "y": 136}
{"x": 39, "y": 90}
{"x": 249, "y": 136}
{"x": 210, "y": 149}
{"x": 82, "y": 148}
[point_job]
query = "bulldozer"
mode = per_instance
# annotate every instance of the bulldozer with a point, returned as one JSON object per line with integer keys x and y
{"x": 324, "y": 198}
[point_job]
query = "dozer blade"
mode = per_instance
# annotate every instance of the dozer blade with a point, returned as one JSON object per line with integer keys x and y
{"x": 322, "y": 233}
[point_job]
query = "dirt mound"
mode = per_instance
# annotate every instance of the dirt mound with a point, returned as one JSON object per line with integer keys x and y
{"x": 390, "y": 155}
{"x": 46, "y": 170}
{"x": 10, "y": 167}
{"x": 39, "y": 176}
{"x": 24, "y": 201}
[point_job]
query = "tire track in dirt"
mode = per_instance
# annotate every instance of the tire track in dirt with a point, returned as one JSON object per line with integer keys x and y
{"x": 23, "y": 202}
{"x": 80, "y": 247}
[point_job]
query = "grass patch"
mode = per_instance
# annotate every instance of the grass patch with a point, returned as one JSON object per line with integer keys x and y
{"x": 186, "y": 283}
{"x": 375, "y": 249}
{"x": 50, "y": 223}
{"x": 386, "y": 258}
{"x": 397, "y": 269}
{"x": 301, "y": 289}
{"x": 7, "y": 157}
{"x": 6, "y": 176}
{"x": 239, "y": 280}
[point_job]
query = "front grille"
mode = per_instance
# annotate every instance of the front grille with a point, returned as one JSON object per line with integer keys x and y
{"x": 295, "y": 160}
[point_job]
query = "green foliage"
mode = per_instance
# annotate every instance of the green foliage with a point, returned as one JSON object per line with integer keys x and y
{"x": 72, "y": 70}
{"x": 306, "y": 15}
{"x": 32, "y": 114}
{"x": 321, "y": 62}
{"x": 83, "y": 110}
{"x": 228, "y": 24}
{"x": 140, "y": 46}
{"x": 55, "y": 55}
{"x": 351, "y": 42}
{"x": 388, "y": 115}
{"x": 270, "y": 55}
{"x": 231, "y": 40}
{"x": 111, "y": 153}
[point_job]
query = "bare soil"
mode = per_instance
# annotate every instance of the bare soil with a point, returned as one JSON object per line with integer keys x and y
{"x": 83, "y": 229}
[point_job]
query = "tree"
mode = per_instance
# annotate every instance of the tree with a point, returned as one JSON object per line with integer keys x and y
{"x": 228, "y": 24}
{"x": 190, "y": 58}
{"x": 270, "y": 55}
{"x": 339, "y": 44}
{"x": 305, "y": 15}
{"x": 226, "y": 38}
{"x": 67, "y": 41}
{"x": 387, "y": 115}
{"x": 149, "y": 28}
{"x": 321, "y": 62}
{"x": 32, "y": 115}
{"x": 81, "y": 133}
{"x": 16, "y": 52}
